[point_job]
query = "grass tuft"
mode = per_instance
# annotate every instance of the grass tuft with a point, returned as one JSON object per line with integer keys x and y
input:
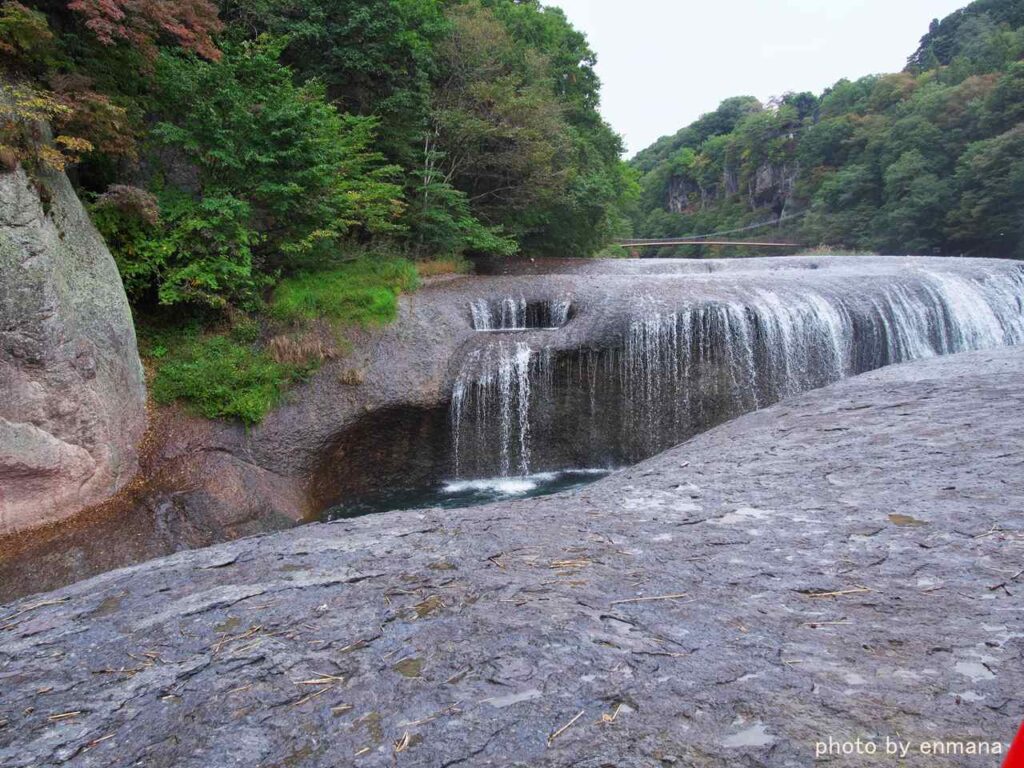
{"x": 360, "y": 292}
{"x": 221, "y": 378}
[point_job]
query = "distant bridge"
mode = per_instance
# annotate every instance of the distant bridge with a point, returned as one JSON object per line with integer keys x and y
{"x": 704, "y": 239}
{"x": 671, "y": 241}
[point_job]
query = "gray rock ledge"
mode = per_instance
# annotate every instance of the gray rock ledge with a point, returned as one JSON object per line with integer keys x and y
{"x": 850, "y": 559}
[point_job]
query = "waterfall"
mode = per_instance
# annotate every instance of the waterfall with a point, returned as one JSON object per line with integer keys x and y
{"x": 515, "y": 313}
{"x": 492, "y": 398}
{"x": 681, "y": 365}
{"x": 508, "y": 313}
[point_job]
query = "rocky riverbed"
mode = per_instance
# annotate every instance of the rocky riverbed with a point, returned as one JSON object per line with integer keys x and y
{"x": 843, "y": 565}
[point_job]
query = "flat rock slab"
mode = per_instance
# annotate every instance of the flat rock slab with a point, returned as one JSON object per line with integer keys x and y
{"x": 845, "y": 565}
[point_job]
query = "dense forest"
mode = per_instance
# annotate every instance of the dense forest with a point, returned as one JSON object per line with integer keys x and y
{"x": 259, "y": 166}
{"x": 927, "y": 160}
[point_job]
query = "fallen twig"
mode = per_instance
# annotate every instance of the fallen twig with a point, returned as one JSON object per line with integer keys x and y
{"x": 64, "y": 716}
{"x": 217, "y": 646}
{"x": 494, "y": 559}
{"x": 648, "y": 599}
{"x": 97, "y": 742}
{"x": 313, "y": 695}
{"x": 565, "y": 727}
{"x": 450, "y": 709}
{"x": 606, "y": 718}
{"x": 816, "y": 624}
{"x": 324, "y": 679}
{"x": 839, "y": 592}
{"x": 403, "y": 743}
{"x": 571, "y": 564}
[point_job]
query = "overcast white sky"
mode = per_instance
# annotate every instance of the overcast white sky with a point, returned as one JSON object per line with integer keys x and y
{"x": 663, "y": 63}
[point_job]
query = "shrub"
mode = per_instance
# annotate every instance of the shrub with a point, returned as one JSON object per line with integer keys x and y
{"x": 187, "y": 251}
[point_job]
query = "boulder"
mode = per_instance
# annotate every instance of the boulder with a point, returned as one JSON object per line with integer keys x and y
{"x": 73, "y": 408}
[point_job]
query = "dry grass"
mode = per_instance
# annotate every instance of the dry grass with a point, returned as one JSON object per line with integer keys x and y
{"x": 300, "y": 348}
{"x": 8, "y": 159}
{"x": 444, "y": 266}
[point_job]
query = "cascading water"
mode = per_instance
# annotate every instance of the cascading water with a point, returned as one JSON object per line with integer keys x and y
{"x": 677, "y": 370}
{"x": 512, "y": 313}
{"x": 491, "y": 407}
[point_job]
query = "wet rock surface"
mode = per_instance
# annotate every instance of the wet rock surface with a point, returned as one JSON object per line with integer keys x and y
{"x": 845, "y": 564}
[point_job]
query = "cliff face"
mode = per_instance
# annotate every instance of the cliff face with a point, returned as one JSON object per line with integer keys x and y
{"x": 770, "y": 187}
{"x": 72, "y": 409}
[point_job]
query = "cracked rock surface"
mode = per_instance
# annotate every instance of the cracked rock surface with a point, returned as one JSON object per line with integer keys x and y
{"x": 845, "y": 564}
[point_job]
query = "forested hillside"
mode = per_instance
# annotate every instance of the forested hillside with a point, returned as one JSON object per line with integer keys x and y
{"x": 927, "y": 160}
{"x": 255, "y": 166}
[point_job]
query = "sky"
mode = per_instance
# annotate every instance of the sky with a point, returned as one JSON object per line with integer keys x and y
{"x": 664, "y": 63}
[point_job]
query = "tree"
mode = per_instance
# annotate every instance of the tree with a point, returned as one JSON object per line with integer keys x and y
{"x": 280, "y": 179}
{"x": 990, "y": 189}
{"x": 917, "y": 160}
{"x": 499, "y": 128}
{"x": 191, "y": 24}
{"x": 440, "y": 219}
{"x": 916, "y": 201}
{"x": 1004, "y": 106}
{"x": 374, "y": 57}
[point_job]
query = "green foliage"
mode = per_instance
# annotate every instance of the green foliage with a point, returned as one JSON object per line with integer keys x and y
{"x": 990, "y": 179}
{"x": 308, "y": 173}
{"x": 439, "y": 216}
{"x": 221, "y": 378}
{"x": 267, "y": 140}
{"x": 918, "y": 161}
{"x": 375, "y": 57}
{"x": 497, "y": 121}
{"x": 968, "y": 33}
{"x": 199, "y": 252}
{"x": 204, "y": 253}
{"x": 722, "y": 121}
{"x": 514, "y": 127}
{"x": 360, "y": 292}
